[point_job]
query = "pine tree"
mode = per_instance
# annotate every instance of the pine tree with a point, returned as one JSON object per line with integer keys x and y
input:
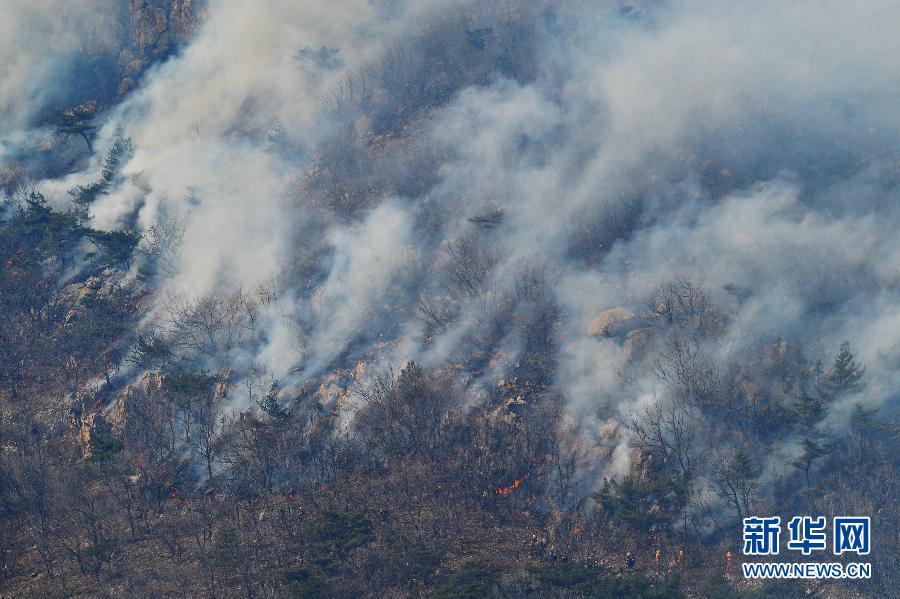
{"x": 117, "y": 156}
{"x": 846, "y": 374}
{"x": 76, "y": 121}
{"x": 269, "y": 404}
{"x": 811, "y": 411}
{"x": 737, "y": 481}
{"x": 411, "y": 382}
{"x": 813, "y": 449}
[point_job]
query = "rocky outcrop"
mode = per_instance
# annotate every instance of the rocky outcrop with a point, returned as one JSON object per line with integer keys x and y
{"x": 338, "y": 385}
{"x": 117, "y": 41}
{"x": 618, "y": 326}
{"x": 117, "y": 414}
{"x": 155, "y": 29}
{"x": 126, "y": 38}
{"x": 96, "y": 435}
{"x": 603, "y": 324}
{"x": 635, "y": 346}
{"x": 223, "y": 384}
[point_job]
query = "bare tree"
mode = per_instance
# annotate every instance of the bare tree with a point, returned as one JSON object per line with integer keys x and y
{"x": 466, "y": 268}
{"x": 671, "y": 431}
{"x": 211, "y": 325}
{"x": 691, "y": 324}
{"x": 162, "y": 242}
{"x": 736, "y": 480}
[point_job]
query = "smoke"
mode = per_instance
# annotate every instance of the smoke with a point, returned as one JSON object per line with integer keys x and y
{"x": 370, "y": 262}
{"x": 345, "y": 151}
{"x": 41, "y": 44}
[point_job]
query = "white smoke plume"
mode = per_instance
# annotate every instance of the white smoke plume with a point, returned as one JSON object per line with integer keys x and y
{"x": 343, "y": 151}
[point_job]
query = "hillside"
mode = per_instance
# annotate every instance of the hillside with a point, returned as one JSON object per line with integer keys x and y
{"x": 445, "y": 298}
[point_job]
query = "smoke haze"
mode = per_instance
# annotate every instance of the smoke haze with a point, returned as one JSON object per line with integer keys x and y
{"x": 518, "y": 172}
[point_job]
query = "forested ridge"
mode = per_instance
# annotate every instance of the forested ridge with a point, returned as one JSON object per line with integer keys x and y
{"x": 443, "y": 299}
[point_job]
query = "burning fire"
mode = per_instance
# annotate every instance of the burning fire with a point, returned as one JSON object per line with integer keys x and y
{"x": 504, "y": 491}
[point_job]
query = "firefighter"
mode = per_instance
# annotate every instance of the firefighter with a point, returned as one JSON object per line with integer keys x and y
{"x": 679, "y": 559}
{"x": 729, "y": 563}
{"x": 658, "y": 558}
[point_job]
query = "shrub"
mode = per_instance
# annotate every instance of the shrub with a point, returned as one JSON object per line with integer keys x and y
{"x": 476, "y": 579}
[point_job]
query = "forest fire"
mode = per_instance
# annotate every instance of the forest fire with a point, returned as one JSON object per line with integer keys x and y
{"x": 295, "y": 298}
{"x": 504, "y": 491}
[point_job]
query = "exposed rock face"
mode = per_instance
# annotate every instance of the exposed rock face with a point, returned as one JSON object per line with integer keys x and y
{"x": 118, "y": 41}
{"x": 621, "y": 327}
{"x": 152, "y": 380}
{"x": 119, "y": 410}
{"x": 641, "y": 463}
{"x": 155, "y": 29}
{"x": 603, "y": 324}
{"x": 338, "y": 385}
{"x": 93, "y": 428}
{"x": 126, "y": 37}
{"x": 117, "y": 415}
{"x": 223, "y": 384}
{"x": 610, "y": 436}
{"x": 635, "y": 345}
{"x": 77, "y": 295}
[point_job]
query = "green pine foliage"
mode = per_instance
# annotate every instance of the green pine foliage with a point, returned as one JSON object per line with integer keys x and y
{"x": 656, "y": 499}
{"x": 335, "y": 535}
{"x": 814, "y": 442}
{"x": 475, "y": 579}
{"x": 845, "y": 376}
{"x": 117, "y": 156}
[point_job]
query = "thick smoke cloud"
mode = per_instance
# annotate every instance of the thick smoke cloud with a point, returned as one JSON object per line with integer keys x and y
{"x": 752, "y": 149}
{"x": 39, "y": 46}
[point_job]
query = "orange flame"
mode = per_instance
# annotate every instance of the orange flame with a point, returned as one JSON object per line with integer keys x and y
{"x": 504, "y": 491}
